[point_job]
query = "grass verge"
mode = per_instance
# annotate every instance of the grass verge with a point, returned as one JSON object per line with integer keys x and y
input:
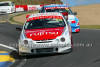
{"x": 12, "y": 18}
{"x": 90, "y": 26}
{"x": 81, "y": 26}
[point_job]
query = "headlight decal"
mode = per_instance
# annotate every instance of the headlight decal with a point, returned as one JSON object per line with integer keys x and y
{"x": 65, "y": 31}
{"x": 22, "y": 37}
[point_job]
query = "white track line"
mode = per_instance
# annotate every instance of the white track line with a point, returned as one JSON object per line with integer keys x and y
{"x": 12, "y": 48}
{"x": 22, "y": 63}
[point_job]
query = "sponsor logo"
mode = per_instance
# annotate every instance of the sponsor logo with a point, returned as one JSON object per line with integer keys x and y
{"x": 44, "y": 33}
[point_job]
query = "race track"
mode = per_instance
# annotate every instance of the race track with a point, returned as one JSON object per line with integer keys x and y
{"x": 85, "y": 53}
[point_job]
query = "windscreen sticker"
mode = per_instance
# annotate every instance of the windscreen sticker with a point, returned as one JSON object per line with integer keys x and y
{"x": 67, "y": 9}
{"x": 47, "y": 14}
{"x": 45, "y": 17}
{"x": 9, "y": 4}
{"x": 58, "y": 19}
{"x": 56, "y": 8}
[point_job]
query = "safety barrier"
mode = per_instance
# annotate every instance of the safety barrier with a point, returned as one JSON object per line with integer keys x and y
{"x": 27, "y": 7}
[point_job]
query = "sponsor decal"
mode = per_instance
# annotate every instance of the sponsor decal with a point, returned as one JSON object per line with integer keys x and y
{"x": 21, "y": 7}
{"x": 43, "y": 17}
{"x": 9, "y": 3}
{"x": 22, "y": 36}
{"x": 44, "y": 33}
{"x": 47, "y": 14}
{"x": 40, "y": 34}
{"x": 33, "y": 7}
{"x": 56, "y": 8}
{"x": 58, "y": 19}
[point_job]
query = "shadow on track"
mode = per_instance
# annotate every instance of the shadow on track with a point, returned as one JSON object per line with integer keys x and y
{"x": 17, "y": 56}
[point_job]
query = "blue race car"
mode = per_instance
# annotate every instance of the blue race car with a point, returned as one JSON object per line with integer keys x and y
{"x": 66, "y": 11}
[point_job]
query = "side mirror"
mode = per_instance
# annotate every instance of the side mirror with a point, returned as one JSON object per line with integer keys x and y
{"x": 18, "y": 29}
{"x": 75, "y": 13}
{"x": 13, "y": 2}
{"x": 27, "y": 16}
{"x": 39, "y": 11}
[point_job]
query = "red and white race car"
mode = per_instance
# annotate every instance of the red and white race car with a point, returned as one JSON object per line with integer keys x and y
{"x": 45, "y": 33}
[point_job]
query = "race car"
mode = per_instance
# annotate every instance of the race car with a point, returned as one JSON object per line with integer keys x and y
{"x": 45, "y": 33}
{"x": 7, "y": 7}
{"x": 66, "y": 11}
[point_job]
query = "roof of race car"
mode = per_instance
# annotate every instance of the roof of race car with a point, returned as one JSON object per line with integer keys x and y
{"x": 44, "y": 15}
{"x": 55, "y": 5}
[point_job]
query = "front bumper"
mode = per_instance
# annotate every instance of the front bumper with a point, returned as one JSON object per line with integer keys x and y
{"x": 76, "y": 29}
{"x": 40, "y": 47}
{"x": 45, "y": 51}
{"x": 5, "y": 12}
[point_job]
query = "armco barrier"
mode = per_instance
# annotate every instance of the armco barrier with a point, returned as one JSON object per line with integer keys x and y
{"x": 27, "y": 7}
{"x": 21, "y": 8}
{"x": 33, "y": 7}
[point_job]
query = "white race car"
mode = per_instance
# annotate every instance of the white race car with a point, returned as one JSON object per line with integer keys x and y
{"x": 45, "y": 33}
{"x": 7, "y": 7}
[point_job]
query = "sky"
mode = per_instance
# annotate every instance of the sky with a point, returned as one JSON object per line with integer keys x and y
{"x": 80, "y": 2}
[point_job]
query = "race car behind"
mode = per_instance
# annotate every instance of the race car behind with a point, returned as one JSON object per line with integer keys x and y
{"x": 66, "y": 11}
{"x": 7, "y": 7}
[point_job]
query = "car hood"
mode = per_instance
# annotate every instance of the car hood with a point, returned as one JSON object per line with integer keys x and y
{"x": 44, "y": 34}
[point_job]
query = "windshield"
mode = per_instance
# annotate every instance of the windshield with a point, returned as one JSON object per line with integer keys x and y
{"x": 44, "y": 23}
{"x": 5, "y": 4}
{"x": 59, "y": 10}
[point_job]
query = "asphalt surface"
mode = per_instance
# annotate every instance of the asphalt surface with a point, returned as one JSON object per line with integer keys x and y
{"x": 85, "y": 54}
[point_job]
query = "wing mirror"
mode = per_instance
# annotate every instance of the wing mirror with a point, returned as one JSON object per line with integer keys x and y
{"x": 27, "y": 16}
{"x": 75, "y": 13}
{"x": 39, "y": 11}
{"x": 18, "y": 29}
{"x": 13, "y": 2}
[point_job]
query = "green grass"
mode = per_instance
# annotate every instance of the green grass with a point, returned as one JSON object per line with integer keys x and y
{"x": 90, "y": 26}
{"x": 34, "y": 2}
{"x": 81, "y": 26}
{"x": 12, "y": 18}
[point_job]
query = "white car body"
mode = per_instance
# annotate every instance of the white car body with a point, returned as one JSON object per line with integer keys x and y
{"x": 36, "y": 46}
{"x": 7, "y": 7}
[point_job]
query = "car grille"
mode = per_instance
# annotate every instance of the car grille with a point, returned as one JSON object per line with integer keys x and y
{"x": 44, "y": 42}
{"x": 44, "y": 50}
